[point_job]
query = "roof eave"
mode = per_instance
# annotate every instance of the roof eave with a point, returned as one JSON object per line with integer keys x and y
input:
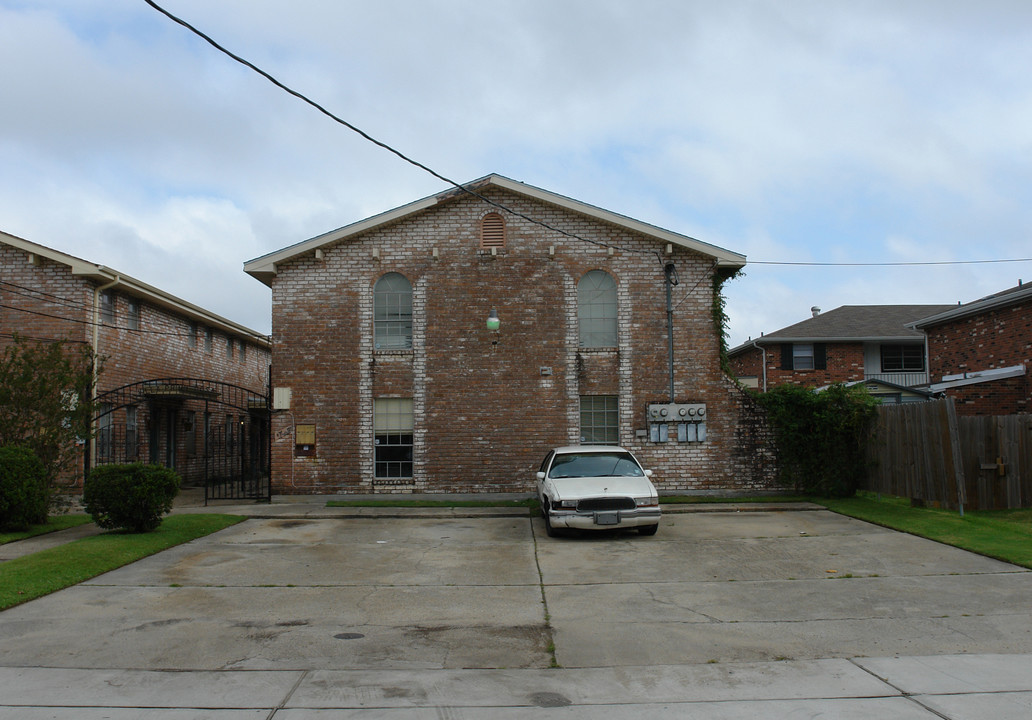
{"x": 264, "y": 268}
{"x": 105, "y": 275}
{"x": 973, "y": 308}
{"x": 774, "y": 340}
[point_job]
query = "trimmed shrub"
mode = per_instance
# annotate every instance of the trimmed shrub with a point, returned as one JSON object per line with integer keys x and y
{"x": 132, "y": 497}
{"x": 24, "y": 492}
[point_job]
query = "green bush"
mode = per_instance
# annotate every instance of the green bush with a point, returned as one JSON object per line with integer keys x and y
{"x": 821, "y": 437}
{"x": 24, "y": 491}
{"x": 133, "y": 497}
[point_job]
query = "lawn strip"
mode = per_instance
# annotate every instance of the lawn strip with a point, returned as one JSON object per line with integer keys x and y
{"x": 53, "y": 524}
{"x": 32, "y": 576}
{"x": 730, "y": 500}
{"x": 1004, "y": 535}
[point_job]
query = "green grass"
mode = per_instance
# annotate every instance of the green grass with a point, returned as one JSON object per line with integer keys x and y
{"x": 32, "y": 576}
{"x": 53, "y": 524}
{"x": 1002, "y": 534}
{"x": 400, "y": 502}
{"x": 693, "y": 499}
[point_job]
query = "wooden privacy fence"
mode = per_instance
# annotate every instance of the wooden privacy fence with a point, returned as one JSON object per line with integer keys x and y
{"x": 925, "y": 452}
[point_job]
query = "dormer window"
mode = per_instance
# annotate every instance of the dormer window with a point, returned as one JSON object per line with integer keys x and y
{"x": 492, "y": 231}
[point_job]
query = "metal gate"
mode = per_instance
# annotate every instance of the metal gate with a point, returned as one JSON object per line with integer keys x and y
{"x": 214, "y": 434}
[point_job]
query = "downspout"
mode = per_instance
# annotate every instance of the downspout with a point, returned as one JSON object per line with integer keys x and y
{"x": 763, "y": 360}
{"x": 670, "y": 272}
{"x": 96, "y": 361}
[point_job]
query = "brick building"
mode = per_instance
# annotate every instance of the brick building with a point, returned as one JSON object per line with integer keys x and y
{"x": 851, "y": 343}
{"x": 178, "y": 383}
{"x": 979, "y": 353}
{"x": 390, "y": 377}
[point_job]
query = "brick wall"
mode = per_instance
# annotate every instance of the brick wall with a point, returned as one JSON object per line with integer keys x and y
{"x": 488, "y": 405}
{"x": 46, "y": 301}
{"x": 845, "y": 363}
{"x": 995, "y": 339}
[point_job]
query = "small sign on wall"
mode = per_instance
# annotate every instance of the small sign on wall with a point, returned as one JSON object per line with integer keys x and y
{"x": 304, "y": 440}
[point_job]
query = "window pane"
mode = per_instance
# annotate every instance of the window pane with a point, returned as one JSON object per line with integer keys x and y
{"x": 107, "y": 308}
{"x": 392, "y": 312}
{"x": 802, "y": 357}
{"x": 600, "y": 420}
{"x": 902, "y": 358}
{"x": 392, "y": 437}
{"x": 596, "y": 309}
{"x": 134, "y": 314}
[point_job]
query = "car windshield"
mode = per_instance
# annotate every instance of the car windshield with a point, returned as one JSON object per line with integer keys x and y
{"x": 616, "y": 464}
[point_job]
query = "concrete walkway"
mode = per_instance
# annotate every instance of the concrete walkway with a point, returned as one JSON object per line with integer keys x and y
{"x": 919, "y": 688}
{"x": 482, "y": 556}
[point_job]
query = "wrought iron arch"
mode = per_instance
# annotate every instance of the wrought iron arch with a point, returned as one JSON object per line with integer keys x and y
{"x": 215, "y": 433}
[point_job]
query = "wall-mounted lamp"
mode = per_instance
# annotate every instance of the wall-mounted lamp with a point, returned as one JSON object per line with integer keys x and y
{"x": 492, "y": 320}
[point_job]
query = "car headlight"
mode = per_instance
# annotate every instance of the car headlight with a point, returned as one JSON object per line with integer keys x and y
{"x": 568, "y": 504}
{"x": 646, "y": 501}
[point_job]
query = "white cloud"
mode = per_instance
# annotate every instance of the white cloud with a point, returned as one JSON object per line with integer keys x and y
{"x": 850, "y": 132}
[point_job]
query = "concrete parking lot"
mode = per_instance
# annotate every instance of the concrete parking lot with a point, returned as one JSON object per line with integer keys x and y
{"x": 340, "y": 612}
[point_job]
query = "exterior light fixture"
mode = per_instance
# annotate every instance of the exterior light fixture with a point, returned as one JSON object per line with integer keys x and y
{"x": 492, "y": 320}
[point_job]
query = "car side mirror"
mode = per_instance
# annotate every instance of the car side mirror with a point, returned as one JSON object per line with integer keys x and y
{"x": 648, "y": 473}
{"x": 540, "y": 475}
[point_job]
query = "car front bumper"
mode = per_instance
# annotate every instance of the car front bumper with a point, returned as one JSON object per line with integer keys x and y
{"x": 605, "y": 519}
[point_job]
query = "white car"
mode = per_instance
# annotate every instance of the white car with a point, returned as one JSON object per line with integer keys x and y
{"x": 596, "y": 487}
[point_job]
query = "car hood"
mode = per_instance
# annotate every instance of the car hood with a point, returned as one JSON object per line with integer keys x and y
{"x": 585, "y": 487}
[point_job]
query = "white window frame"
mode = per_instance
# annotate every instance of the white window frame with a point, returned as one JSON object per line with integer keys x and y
{"x": 392, "y": 312}
{"x": 393, "y": 426}
{"x": 597, "y": 310}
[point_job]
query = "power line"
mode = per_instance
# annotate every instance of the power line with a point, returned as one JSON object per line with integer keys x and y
{"x": 887, "y": 264}
{"x": 90, "y": 323}
{"x": 336, "y": 118}
{"x": 53, "y": 299}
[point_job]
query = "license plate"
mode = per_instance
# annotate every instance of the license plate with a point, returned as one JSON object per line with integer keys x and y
{"x": 607, "y": 518}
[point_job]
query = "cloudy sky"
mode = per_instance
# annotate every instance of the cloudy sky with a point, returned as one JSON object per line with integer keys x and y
{"x": 793, "y": 132}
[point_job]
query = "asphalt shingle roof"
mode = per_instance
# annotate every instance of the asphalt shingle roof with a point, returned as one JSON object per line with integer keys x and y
{"x": 858, "y": 322}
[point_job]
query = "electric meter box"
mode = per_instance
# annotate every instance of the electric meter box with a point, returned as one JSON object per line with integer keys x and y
{"x": 677, "y": 412}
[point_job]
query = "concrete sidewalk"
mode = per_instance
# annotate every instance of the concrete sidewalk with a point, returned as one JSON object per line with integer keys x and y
{"x": 306, "y": 611}
{"x": 956, "y": 687}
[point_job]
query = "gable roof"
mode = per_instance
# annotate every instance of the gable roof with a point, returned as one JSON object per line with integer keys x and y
{"x": 1011, "y": 296}
{"x": 264, "y": 268}
{"x": 853, "y": 323}
{"x": 117, "y": 280}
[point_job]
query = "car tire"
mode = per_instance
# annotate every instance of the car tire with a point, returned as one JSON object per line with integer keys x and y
{"x": 648, "y": 529}
{"x": 549, "y": 529}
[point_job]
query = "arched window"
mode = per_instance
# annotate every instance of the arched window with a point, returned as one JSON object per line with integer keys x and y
{"x": 392, "y": 313}
{"x": 596, "y": 309}
{"x": 492, "y": 231}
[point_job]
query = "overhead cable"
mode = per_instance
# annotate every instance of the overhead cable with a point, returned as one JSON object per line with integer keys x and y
{"x": 336, "y": 118}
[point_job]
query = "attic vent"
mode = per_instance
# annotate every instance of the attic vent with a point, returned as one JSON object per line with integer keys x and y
{"x": 492, "y": 231}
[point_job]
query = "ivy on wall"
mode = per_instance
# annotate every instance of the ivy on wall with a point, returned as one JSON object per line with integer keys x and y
{"x": 821, "y": 437}
{"x": 720, "y": 319}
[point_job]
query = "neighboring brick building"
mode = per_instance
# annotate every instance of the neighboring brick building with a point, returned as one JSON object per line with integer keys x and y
{"x": 143, "y": 334}
{"x": 848, "y": 344}
{"x": 397, "y": 383}
{"x": 979, "y": 353}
